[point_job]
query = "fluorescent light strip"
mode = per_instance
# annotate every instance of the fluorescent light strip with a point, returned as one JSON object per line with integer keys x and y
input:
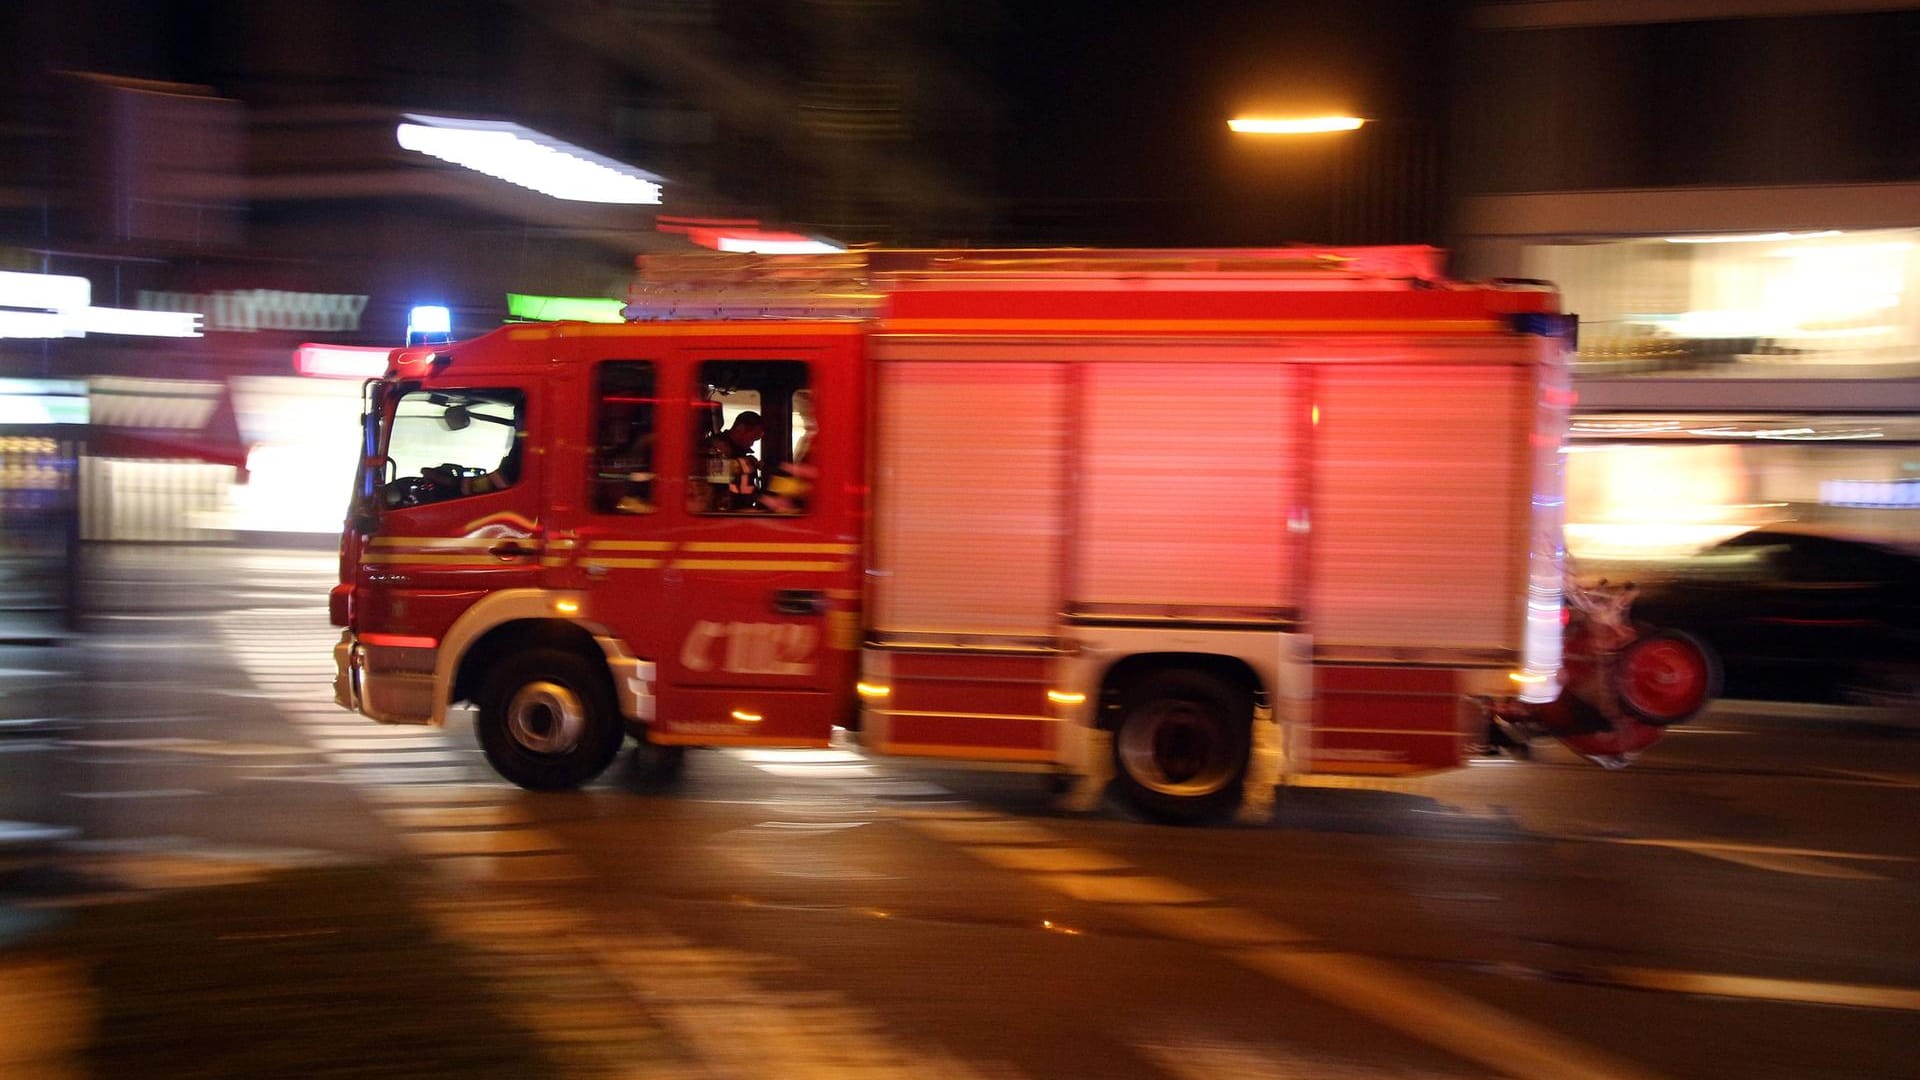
{"x": 528, "y": 158}
{"x": 127, "y": 321}
{"x": 94, "y": 320}
{"x": 50, "y": 292}
{"x": 37, "y": 324}
{"x": 58, "y": 306}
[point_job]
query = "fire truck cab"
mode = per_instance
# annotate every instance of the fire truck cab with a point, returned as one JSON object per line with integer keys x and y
{"x": 1063, "y": 509}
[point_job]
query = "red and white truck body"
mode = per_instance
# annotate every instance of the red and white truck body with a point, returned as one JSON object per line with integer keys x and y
{"x": 1070, "y": 509}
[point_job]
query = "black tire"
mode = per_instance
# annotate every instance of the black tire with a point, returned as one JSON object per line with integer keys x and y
{"x": 1181, "y": 746}
{"x": 547, "y": 720}
{"x": 653, "y": 765}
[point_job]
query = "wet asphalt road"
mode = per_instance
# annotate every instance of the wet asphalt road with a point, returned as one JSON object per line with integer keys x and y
{"x": 1741, "y": 902}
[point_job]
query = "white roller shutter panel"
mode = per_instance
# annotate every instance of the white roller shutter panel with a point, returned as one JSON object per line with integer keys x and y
{"x": 1187, "y": 475}
{"x": 1420, "y": 493}
{"x": 968, "y": 497}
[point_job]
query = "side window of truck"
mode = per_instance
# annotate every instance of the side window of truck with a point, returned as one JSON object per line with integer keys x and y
{"x": 753, "y": 428}
{"x": 623, "y": 459}
{"x": 446, "y": 444}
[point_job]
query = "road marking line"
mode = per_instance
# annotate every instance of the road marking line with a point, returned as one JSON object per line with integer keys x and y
{"x": 1050, "y": 860}
{"x": 31, "y": 746}
{"x": 397, "y": 741}
{"x": 440, "y": 843}
{"x": 47, "y": 1016}
{"x": 148, "y": 793}
{"x": 1794, "y": 864}
{"x": 1220, "y": 1059}
{"x": 1216, "y": 927}
{"x": 441, "y": 756}
{"x": 1426, "y": 1011}
{"x": 1437, "y": 1016}
{"x": 1858, "y": 995}
{"x": 428, "y": 775}
{"x": 1122, "y": 889}
{"x": 455, "y": 817}
{"x": 334, "y": 729}
{"x": 1767, "y": 857}
{"x": 441, "y": 795}
{"x": 510, "y": 867}
{"x": 1895, "y": 779}
{"x": 986, "y": 831}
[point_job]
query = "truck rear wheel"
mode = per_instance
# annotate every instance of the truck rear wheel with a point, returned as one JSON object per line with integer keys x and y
{"x": 547, "y": 720}
{"x": 1181, "y": 746}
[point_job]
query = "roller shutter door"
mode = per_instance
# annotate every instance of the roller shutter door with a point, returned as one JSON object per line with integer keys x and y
{"x": 1420, "y": 496}
{"x": 969, "y": 497}
{"x": 1187, "y": 477}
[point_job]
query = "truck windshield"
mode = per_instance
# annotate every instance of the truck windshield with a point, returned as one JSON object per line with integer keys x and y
{"x": 443, "y": 444}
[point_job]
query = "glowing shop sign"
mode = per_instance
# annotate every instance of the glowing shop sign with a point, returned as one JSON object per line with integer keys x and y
{"x": 247, "y": 310}
{"x": 341, "y": 361}
{"x": 60, "y": 306}
{"x": 564, "y": 308}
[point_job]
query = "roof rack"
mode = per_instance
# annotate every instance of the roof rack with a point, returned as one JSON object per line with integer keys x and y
{"x": 853, "y": 284}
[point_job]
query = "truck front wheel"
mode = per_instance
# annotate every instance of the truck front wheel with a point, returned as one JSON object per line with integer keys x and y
{"x": 547, "y": 720}
{"x": 1181, "y": 746}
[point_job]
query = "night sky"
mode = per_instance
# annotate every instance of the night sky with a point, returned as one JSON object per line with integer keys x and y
{"x": 1116, "y": 112}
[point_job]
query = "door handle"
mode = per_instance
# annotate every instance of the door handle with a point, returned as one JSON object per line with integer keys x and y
{"x": 799, "y": 601}
{"x": 509, "y": 549}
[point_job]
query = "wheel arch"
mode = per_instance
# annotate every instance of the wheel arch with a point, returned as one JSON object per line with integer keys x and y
{"x": 499, "y": 624}
{"x": 1128, "y": 671}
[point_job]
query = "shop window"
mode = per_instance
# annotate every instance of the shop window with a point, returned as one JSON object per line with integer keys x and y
{"x": 753, "y": 427}
{"x": 623, "y": 459}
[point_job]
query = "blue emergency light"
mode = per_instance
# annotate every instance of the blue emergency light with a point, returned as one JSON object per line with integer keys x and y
{"x": 429, "y": 324}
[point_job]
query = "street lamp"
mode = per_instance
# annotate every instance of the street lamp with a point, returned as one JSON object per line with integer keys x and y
{"x": 1312, "y": 165}
{"x": 1383, "y": 185}
{"x": 1295, "y": 125}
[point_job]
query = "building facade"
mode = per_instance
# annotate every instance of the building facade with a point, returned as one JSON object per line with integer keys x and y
{"x": 236, "y": 164}
{"x": 1728, "y": 193}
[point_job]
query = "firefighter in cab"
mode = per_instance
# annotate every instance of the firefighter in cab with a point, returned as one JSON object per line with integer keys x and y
{"x": 732, "y": 470}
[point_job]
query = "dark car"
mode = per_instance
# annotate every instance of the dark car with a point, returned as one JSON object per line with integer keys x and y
{"x": 1798, "y": 616}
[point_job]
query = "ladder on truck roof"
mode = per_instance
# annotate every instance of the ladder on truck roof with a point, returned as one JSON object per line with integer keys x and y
{"x": 853, "y": 284}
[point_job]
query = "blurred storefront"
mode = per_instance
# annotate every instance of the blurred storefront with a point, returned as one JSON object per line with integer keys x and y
{"x": 1739, "y": 380}
{"x": 42, "y": 423}
{"x": 1728, "y": 195}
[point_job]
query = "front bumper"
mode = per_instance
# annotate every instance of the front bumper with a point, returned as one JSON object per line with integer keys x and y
{"x": 385, "y": 684}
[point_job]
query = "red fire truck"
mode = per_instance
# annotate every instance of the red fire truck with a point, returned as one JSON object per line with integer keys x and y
{"x": 1071, "y": 510}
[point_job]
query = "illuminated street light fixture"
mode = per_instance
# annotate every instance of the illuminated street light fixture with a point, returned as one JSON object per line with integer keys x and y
{"x": 1296, "y": 125}
{"x": 529, "y": 158}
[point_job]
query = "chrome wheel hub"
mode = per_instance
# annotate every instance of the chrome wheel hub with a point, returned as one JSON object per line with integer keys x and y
{"x": 1176, "y": 748}
{"x": 546, "y": 718}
